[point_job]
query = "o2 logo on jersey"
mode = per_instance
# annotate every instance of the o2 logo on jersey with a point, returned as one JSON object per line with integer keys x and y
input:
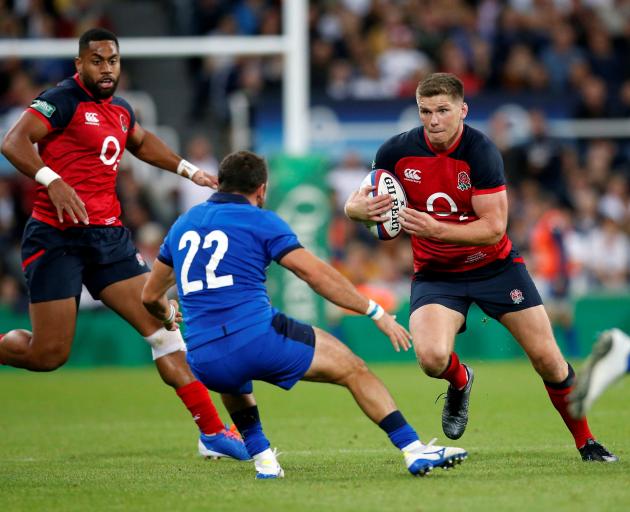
{"x": 463, "y": 181}
{"x": 112, "y": 159}
{"x": 192, "y": 239}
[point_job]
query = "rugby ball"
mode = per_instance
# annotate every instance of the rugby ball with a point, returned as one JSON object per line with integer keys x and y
{"x": 386, "y": 183}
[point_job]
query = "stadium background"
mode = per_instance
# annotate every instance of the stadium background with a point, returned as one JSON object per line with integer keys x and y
{"x": 548, "y": 81}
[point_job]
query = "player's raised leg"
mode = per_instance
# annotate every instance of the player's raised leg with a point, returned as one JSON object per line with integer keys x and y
{"x": 608, "y": 362}
{"x": 48, "y": 346}
{"x": 335, "y": 363}
{"x": 532, "y": 329}
{"x": 433, "y": 328}
{"x": 169, "y": 354}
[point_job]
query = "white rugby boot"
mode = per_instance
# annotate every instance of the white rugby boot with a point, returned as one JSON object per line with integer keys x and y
{"x": 422, "y": 458}
{"x": 608, "y": 362}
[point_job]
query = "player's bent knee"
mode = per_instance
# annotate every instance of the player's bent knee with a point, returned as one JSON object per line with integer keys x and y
{"x": 433, "y": 362}
{"x": 164, "y": 342}
{"x": 549, "y": 367}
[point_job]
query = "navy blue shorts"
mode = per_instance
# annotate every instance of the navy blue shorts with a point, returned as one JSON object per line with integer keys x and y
{"x": 511, "y": 289}
{"x": 279, "y": 353}
{"x": 57, "y": 262}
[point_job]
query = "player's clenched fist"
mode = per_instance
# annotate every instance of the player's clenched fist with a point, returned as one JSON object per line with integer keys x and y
{"x": 418, "y": 224}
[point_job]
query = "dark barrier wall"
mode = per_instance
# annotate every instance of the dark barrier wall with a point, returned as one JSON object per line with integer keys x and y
{"x": 103, "y": 338}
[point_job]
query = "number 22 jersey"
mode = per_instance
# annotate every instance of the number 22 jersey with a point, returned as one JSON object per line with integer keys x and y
{"x": 86, "y": 139}
{"x": 220, "y": 251}
{"x": 443, "y": 184}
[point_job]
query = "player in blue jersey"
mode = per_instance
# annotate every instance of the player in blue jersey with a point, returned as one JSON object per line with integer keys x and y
{"x": 608, "y": 362}
{"x": 217, "y": 254}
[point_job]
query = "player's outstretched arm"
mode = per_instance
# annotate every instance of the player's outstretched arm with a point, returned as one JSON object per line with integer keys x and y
{"x": 361, "y": 206}
{"x": 330, "y": 284}
{"x": 18, "y": 147}
{"x": 148, "y": 147}
{"x": 154, "y": 298}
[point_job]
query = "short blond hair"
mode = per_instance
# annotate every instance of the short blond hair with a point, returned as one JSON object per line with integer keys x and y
{"x": 440, "y": 83}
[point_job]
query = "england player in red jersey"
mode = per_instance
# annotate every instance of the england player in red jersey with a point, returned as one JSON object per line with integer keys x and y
{"x": 457, "y": 218}
{"x": 75, "y": 236}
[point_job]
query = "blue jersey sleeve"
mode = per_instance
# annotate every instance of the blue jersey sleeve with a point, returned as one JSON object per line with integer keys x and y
{"x": 279, "y": 238}
{"x": 486, "y": 165}
{"x": 57, "y": 105}
{"x": 165, "y": 255}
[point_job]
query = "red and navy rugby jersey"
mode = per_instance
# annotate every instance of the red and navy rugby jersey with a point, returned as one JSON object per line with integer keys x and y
{"x": 84, "y": 146}
{"x": 442, "y": 184}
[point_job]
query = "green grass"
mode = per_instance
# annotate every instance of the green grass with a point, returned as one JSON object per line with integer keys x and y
{"x": 116, "y": 439}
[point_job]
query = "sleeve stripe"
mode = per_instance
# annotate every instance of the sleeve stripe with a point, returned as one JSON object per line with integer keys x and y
{"x": 478, "y": 192}
{"x": 42, "y": 117}
{"x": 286, "y": 251}
{"x": 164, "y": 260}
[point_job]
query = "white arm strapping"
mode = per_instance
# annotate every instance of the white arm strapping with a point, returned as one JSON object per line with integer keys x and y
{"x": 45, "y": 176}
{"x": 375, "y": 311}
{"x": 186, "y": 169}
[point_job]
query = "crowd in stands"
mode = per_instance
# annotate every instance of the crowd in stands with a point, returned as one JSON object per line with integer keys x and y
{"x": 569, "y": 199}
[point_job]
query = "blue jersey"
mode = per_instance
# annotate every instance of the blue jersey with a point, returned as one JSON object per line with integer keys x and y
{"x": 220, "y": 251}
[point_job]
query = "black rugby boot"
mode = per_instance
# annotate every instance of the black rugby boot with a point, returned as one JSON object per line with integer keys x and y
{"x": 592, "y": 451}
{"x": 455, "y": 412}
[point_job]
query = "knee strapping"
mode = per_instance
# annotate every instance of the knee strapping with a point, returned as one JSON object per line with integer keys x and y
{"x": 164, "y": 342}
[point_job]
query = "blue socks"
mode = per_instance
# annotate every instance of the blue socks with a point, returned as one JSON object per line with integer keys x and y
{"x": 400, "y": 433}
{"x": 248, "y": 423}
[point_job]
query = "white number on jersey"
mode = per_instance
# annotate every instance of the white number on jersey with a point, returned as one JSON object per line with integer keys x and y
{"x": 212, "y": 281}
{"x": 112, "y": 159}
{"x": 443, "y": 195}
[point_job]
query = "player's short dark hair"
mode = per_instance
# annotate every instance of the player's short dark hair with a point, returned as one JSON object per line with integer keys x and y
{"x": 96, "y": 34}
{"x": 440, "y": 83}
{"x": 242, "y": 172}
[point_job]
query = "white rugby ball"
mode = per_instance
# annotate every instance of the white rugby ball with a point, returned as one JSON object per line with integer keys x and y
{"x": 386, "y": 183}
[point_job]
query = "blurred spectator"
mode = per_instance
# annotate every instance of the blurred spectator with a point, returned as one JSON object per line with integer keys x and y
{"x": 346, "y": 178}
{"x": 610, "y": 255}
{"x": 401, "y": 60}
{"x": 453, "y": 60}
{"x": 198, "y": 152}
{"x": 593, "y": 102}
{"x": 561, "y": 56}
{"x": 541, "y": 158}
{"x": 148, "y": 240}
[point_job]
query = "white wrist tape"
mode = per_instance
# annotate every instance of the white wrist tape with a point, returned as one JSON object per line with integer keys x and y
{"x": 186, "y": 169}
{"x": 45, "y": 176}
{"x": 374, "y": 311}
{"x": 165, "y": 342}
{"x": 171, "y": 316}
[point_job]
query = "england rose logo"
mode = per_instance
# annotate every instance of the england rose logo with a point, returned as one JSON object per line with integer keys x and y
{"x": 517, "y": 296}
{"x": 463, "y": 181}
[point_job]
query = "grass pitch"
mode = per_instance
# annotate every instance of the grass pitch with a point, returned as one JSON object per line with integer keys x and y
{"x": 119, "y": 440}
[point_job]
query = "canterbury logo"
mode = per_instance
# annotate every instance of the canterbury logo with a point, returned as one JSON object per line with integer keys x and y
{"x": 91, "y": 118}
{"x": 412, "y": 175}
